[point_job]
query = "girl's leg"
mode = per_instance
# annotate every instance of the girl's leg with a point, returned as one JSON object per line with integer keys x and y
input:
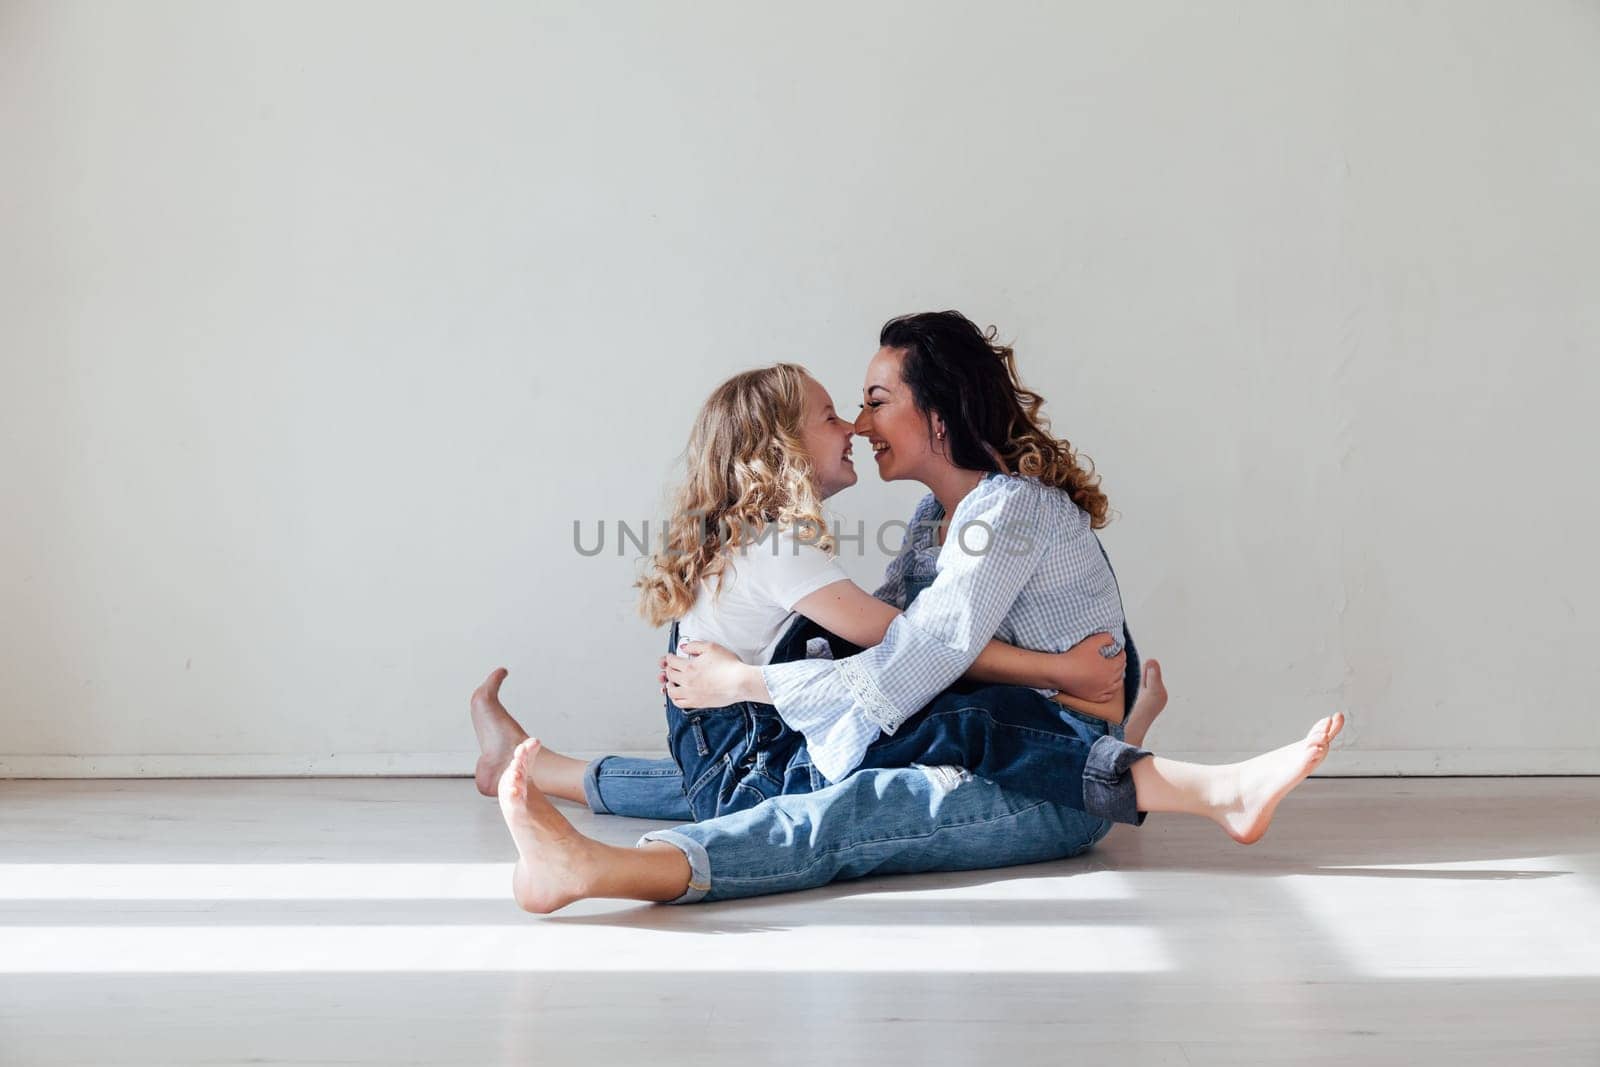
{"x": 499, "y": 735}
{"x": 1149, "y": 700}
{"x": 635, "y": 788}
{"x": 611, "y": 785}
{"x": 1147, "y": 704}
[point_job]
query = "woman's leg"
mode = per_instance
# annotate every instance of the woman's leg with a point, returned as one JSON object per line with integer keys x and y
{"x": 557, "y": 865}
{"x": 1019, "y": 740}
{"x": 941, "y": 818}
{"x": 1239, "y": 797}
{"x": 888, "y": 821}
{"x": 902, "y": 820}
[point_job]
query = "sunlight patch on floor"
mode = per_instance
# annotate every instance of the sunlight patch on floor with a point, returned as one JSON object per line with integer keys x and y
{"x": 255, "y": 881}
{"x": 539, "y": 945}
{"x": 1530, "y": 917}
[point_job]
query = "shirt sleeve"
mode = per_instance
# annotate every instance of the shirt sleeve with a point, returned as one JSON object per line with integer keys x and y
{"x": 991, "y": 551}
{"x": 786, "y": 571}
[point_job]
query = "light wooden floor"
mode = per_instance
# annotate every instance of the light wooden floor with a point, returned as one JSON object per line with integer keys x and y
{"x": 367, "y": 921}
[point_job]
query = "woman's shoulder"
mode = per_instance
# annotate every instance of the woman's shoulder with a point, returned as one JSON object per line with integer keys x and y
{"x": 1025, "y": 494}
{"x": 1018, "y": 487}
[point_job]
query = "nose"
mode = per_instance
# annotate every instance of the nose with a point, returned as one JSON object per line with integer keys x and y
{"x": 863, "y": 422}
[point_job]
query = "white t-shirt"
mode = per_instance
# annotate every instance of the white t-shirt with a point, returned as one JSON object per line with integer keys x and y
{"x": 760, "y": 587}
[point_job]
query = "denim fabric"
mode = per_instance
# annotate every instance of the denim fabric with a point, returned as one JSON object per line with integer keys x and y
{"x": 890, "y": 821}
{"x": 1021, "y": 741}
{"x": 735, "y": 757}
{"x": 655, "y": 788}
{"x": 1107, "y": 783}
{"x": 636, "y": 788}
{"x": 759, "y": 758}
{"x": 1036, "y": 576}
{"x": 902, "y": 820}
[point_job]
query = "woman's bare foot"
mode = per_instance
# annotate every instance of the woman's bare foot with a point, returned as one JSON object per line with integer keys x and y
{"x": 1147, "y": 704}
{"x": 554, "y": 861}
{"x": 498, "y": 733}
{"x": 1256, "y": 785}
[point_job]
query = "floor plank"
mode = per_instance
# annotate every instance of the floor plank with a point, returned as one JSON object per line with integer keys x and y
{"x": 368, "y": 921}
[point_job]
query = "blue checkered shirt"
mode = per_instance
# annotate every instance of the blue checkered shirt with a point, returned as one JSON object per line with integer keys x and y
{"x": 1020, "y": 563}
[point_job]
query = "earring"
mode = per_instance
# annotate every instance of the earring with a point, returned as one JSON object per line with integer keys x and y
{"x": 941, "y": 435}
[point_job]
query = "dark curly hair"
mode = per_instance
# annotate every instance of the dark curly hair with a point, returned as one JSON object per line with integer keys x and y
{"x": 992, "y": 423}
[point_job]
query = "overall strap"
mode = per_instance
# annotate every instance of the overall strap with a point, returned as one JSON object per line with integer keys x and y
{"x": 1130, "y": 683}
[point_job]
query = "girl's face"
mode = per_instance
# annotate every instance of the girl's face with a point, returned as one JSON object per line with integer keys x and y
{"x": 890, "y": 420}
{"x": 827, "y": 441}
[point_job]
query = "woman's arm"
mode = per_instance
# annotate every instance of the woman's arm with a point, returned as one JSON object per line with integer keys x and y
{"x": 846, "y": 609}
{"x": 1080, "y": 672}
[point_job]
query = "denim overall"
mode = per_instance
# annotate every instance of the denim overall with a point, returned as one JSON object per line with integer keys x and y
{"x": 735, "y": 757}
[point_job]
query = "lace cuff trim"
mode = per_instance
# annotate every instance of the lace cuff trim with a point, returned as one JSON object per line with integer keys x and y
{"x": 869, "y": 696}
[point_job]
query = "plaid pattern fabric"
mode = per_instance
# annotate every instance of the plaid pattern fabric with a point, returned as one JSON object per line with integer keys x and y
{"x": 1020, "y": 563}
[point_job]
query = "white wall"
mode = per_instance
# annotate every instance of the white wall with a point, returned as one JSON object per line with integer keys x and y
{"x": 321, "y": 323}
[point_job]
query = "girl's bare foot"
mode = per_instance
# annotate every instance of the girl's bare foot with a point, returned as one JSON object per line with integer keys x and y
{"x": 1147, "y": 704}
{"x": 1256, "y": 785}
{"x": 554, "y": 861}
{"x": 498, "y": 733}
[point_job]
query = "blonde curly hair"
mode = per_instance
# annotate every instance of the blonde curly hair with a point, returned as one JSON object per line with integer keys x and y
{"x": 747, "y": 469}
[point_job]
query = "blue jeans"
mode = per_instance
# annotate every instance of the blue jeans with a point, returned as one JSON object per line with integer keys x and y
{"x": 735, "y": 757}
{"x": 884, "y": 820}
{"x": 726, "y": 759}
{"x": 636, "y": 788}
{"x": 902, "y": 820}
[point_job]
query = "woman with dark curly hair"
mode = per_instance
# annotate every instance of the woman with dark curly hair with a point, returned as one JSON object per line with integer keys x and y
{"x": 1002, "y": 547}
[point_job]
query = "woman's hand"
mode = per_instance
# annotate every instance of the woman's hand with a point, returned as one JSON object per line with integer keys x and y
{"x": 1084, "y": 673}
{"x": 706, "y": 675}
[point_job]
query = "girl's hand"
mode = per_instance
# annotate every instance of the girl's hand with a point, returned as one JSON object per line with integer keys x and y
{"x": 706, "y": 675}
{"x": 1084, "y": 673}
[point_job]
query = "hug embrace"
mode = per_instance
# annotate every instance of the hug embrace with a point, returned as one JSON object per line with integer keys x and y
{"x": 985, "y": 707}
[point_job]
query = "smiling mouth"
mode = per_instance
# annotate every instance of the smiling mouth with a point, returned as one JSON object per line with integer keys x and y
{"x": 878, "y": 449}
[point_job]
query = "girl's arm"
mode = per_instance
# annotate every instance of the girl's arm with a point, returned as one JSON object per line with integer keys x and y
{"x": 844, "y": 608}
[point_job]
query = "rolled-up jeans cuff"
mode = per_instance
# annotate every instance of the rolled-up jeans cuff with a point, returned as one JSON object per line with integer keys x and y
{"x": 699, "y": 863}
{"x": 1107, "y": 786}
{"x": 591, "y": 787}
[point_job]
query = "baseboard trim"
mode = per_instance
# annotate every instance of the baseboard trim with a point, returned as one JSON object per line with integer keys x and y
{"x": 1347, "y": 763}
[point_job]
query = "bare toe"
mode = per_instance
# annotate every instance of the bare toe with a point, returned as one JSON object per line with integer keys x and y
{"x": 497, "y": 732}
{"x": 1267, "y": 779}
{"x": 553, "y": 859}
{"x": 1148, "y": 703}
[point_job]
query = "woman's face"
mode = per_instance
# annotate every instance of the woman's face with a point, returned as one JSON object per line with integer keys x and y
{"x": 890, "y": 420}
{"x": 828, "y": 441}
